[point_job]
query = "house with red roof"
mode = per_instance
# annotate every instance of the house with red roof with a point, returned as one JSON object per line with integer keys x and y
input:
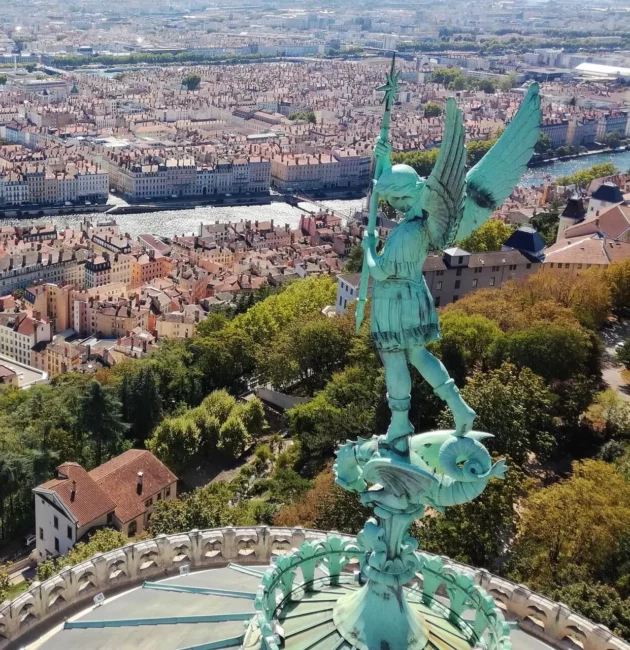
{"x": 121, "y": 493}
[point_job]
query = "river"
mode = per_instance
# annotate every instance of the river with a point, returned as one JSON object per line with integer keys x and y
{"x": 177, "y": 222}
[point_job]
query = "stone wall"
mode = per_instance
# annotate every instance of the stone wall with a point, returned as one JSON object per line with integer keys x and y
{"x": 47, "y": 602}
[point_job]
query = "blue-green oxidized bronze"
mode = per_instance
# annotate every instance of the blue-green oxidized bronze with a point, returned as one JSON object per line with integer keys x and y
{"x": 400, "y": 473}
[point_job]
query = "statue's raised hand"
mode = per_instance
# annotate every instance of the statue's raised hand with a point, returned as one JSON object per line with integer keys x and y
{"x": 382, "y": 150}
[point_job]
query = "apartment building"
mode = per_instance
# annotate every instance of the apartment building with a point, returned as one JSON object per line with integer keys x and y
{"x": 20, "y": 333}
{"x": 306, "y": 172}
{"x": 148, "y": 266}
{"x": 455, "y": 273}
{"x": 21, "y": 271}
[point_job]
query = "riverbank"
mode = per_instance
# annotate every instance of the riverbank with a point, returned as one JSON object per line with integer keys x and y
{"x": 585, "y": 154}
{"x": 37, "y": 212}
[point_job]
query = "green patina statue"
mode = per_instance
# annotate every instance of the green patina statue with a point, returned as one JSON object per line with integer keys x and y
{"x": 438, "y": 211}
{"x": 400, "y": 473}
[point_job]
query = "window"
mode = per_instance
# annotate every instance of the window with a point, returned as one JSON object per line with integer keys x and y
{"x": 69, "y": 532}
{"x": 492, "y": 282}
{"x": 110, "y": 517}
{"x": 479, "y": 269}
{"x": 457, "y": 283}
{"x": 529, "y": 266}
{"x": 458, "y": 272}
{"x": 512, "y": 267}
{"x": 439, "y": 286}
{"x": 566, "y": 266}
{"x": 475, "y": 281}
{"x": 168, "y": 493}
{"x": 133, "y": 527}
{"x": 437, "y": 301}
{"x": 461, "y": 259}
{"x": 551, "y": 265}
{"x": 56, "y": 522}
{"x": 41, "y": 533}
{"x": 148, "y": 503}
{"x": 57, "y": 545}
{"x": 159, "y": 496}
{"x": 579, "y": 266}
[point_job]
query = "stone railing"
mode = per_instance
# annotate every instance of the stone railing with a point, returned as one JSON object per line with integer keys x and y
{"x": 50, "y": 601}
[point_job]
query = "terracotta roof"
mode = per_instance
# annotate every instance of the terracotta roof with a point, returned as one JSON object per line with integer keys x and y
{"x": 119, "y": 479}
{"x": 578, "y": 250}
{"x": 90, "y": 501}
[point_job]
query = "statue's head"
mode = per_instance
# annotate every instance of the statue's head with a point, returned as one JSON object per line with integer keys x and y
{"x": 400, "y": 187}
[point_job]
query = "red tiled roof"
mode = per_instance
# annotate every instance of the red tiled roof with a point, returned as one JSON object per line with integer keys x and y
{"x": 119, "y": 479}
{"x": 90, "y": 501}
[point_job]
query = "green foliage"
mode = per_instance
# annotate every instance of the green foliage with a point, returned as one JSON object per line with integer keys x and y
{"x": 551, "y": 351}
{"x": 476, "y": 533}
{"x": 432, "y": 109}
{"x": 544, "y": 143}
{"x": 308, "y": 116}
{"x": 476, "y": 150}
{"x": 5, "y": 584}
{"x": 103, "y": 540}
{"x": 454, "y": 79}
{"x": 508, "y": 82}
{"x": 219, "y": 425}
{"x": 508, "y": 400}
{"x": 354, "y": 261}
{"x": 623, "y": 354}
{"x": 307, "y": 352}
{"x": 546, "y": 223}
{"x": 3, "y": 79}
{"x": 617, "y": 277}
{"x": 573, "y": 527}
{"x": 490, "y": 237}
{"x": 207, "y": 507}
{"x": 191, "y": 81}
{"x": 585, "y": 176}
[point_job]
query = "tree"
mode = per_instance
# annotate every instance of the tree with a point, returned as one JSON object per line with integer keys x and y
{"x": 544, "y": 143}
{"x": 354, "y": 261}
{"x": 489, "y": 237}
{"x": 308, "y": 352}
{"x": 99, "y": 415}
{"x": 546, "y": 223}
{"x": 191, "y": 81}
{"x": 573, "y": 526}
{"x": 476, "y": 150}
{"x": 612, "y": 140}
{"x": 585, "y": 176}
{"x": 3, "y": 79}
{"x": 5, "y": 584}
{"x": 141, "y": 401}
{"x": 515, "y": 406}
{"x": 508, "y": 82}
{"x": 432, "y": 110}
{"x": 551, "y": 351}
{"x": 101, "y": 541}
{"x": 618, "y": 278}
{"x": 477, "y": 532}
{"x": 466, "y": 342}
{"x": 623, "y": 354}
{"x": 326, "y": 506}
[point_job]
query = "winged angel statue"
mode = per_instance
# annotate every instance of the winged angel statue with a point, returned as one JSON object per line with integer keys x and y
{"x": 438, "y": 211}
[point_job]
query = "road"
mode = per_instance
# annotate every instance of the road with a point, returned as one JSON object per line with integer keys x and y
{"x": 611, "y": 370}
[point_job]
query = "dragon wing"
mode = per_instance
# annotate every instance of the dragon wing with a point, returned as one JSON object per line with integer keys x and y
{"x": 444, "y": 193}
{"x": 491, "y": 181}
{"x": 399, "y": 479}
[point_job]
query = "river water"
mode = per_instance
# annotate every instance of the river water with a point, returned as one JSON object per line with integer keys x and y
{"x": 177, "y": 222}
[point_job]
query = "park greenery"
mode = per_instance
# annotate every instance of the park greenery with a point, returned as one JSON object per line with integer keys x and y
{"x": 584, "y": 177}
{"x": 191, "y": 81}
{"x": 308, "y": 116}
{"x": 526, "y": 356}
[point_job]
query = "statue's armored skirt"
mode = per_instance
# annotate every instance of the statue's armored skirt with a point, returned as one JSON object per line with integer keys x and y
{"x": 403, "y": 312}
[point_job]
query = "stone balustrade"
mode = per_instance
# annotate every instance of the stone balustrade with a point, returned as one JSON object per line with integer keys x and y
{"x": 63, "y": 594}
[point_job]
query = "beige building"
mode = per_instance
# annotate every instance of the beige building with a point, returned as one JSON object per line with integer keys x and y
{"x": 175, "y": 325}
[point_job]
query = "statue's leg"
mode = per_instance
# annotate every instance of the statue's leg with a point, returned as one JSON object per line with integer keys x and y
{"x": 432, "y": 369}
{"x": 398, "y": 381}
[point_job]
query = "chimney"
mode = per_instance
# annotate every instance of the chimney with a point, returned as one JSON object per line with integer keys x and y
{"x": 140, "y": 479}
{"x": 73, "y": 491}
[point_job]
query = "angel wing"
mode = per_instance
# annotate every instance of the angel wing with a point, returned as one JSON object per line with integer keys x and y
{"x": 491, "y": 181}
{"x": 444, "y": 193}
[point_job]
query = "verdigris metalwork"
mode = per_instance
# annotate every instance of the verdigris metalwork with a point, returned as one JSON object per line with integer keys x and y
{"x": 400, "y": 473}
